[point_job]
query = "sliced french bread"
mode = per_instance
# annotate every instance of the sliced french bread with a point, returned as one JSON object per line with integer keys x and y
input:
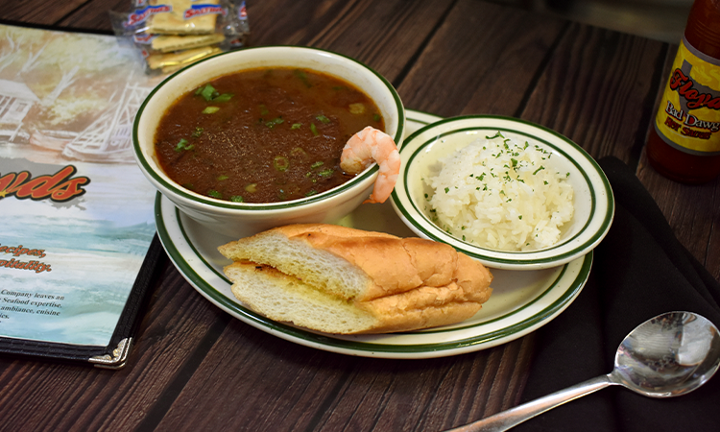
{"x": 342, "y": 280}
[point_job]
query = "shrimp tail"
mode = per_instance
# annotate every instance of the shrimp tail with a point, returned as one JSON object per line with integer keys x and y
{"x": 370, "y": 146}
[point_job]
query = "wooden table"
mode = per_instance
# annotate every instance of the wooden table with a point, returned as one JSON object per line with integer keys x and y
{"x": 196, "y": 368}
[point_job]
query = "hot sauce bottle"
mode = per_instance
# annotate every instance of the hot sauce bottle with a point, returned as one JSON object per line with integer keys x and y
{"x": 684, "y": 144}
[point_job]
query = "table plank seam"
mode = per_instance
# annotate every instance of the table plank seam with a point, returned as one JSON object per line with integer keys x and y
{"x": 422, "y": 46}
{"x": 540, "y": 71}
{"x": 331, "y": 398}
{"x": 649, "y": 107}
{"x": 72, "y": 12}
{"x": 166, "y": 399}
{"x": 55, "y": 27}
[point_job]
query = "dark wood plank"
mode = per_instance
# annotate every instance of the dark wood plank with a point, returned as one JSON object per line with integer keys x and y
{"x": 481, "y": 61}
{"x": 292, "y": 23}
{"x": 386, "y": 395}
{"x": 692, "y": 212}
{"x": 248, "y": 374}
{"x": 40, "y": 12}
{"x": 94, "y": 15}
{"x": 384, "y": 35}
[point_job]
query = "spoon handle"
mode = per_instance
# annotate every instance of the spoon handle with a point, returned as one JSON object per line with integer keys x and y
{"x": 507, "y": 419}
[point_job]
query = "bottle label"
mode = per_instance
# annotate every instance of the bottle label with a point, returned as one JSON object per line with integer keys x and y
{"x": 689, "y": 115}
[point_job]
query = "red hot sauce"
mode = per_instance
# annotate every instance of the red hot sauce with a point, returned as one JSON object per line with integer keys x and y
{"x": 684, "y": 144}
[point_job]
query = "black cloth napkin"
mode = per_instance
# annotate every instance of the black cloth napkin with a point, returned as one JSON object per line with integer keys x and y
{"x": 640, "y": 270}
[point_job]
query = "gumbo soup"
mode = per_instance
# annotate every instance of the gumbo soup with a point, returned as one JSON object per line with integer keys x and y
{"x": 263, "y": 135}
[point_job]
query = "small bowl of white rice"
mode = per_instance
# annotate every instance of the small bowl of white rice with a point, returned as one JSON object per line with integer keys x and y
{"x": 509, "y": 193}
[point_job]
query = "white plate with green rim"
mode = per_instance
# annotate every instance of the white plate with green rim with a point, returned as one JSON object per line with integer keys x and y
{"x": 593, "y": 201}
{"x": 521, "y": 301}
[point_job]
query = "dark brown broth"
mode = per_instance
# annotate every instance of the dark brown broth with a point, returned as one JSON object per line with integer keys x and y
{"x": 278, "y": 137}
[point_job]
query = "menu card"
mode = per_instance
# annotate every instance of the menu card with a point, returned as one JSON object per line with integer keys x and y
{"x": 77, "y": 213}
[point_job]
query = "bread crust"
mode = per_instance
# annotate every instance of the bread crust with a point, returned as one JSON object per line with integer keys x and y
{"x": 410, "y": 283}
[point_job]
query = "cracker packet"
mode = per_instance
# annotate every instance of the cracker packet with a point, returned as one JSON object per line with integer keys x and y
{"x": 171, "y": 34}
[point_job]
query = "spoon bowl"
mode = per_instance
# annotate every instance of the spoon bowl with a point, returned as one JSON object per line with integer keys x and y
{"x": 669, "y": 355}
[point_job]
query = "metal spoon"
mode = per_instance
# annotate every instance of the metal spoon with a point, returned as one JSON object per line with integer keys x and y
{"x": 666, "y": 356}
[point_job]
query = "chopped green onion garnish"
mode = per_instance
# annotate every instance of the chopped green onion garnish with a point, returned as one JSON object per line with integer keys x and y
{"x": 326, "y": 172}
{"x": 317, "y": 164}
{"x": 222, "y": 177}
{"x": 296, "y": 126}
{"x": 281, "y": 163}
{"x": 223, "y": 97}
{"x": 303, "y": 77}
{"x": 210, "y": 110}
{"x": 237, "y": 198}
{"x": 272, "y": 123}
{"x": 183, "y": 145}
{"x": 207, "y": 92}
{"x": 323, "y": 119}
{"x": 215, "y": 194}
{"x": 313, "y": 129}
{"x": 198, "y": 132}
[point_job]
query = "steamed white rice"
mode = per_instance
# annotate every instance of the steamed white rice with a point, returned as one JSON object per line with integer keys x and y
{"x": 501, "y": 194}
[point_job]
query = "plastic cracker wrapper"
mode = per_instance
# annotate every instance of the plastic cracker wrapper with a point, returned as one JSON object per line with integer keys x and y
{"x": 171, "y": 34}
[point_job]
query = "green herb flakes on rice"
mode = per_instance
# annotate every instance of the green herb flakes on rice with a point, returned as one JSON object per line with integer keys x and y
{"x": 501, "y": 194}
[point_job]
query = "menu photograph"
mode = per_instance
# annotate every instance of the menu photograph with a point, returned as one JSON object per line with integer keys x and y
{"x": 77, "y": 213}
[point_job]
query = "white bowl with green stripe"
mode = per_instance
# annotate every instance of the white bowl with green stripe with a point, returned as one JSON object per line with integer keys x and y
{"x": 243, "y": 219}
{"x": 592, "y": 199}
